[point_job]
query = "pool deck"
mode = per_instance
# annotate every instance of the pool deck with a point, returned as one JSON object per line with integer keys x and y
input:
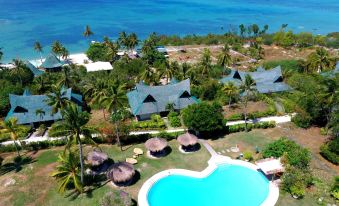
{"x": 213, "y": 163}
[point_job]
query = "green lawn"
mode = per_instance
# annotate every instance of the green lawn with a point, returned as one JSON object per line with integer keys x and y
{"x": 35, "y": 187}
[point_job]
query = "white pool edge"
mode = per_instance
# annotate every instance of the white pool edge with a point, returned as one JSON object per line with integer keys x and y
{"x": 213, "y": 163}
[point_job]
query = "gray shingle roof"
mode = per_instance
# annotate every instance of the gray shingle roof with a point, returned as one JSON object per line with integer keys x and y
{"x": 51, "y": 62}
{"x": 141, "y": 99}
{"x": 29, "y": 104}
{"x": 267, "y": 81}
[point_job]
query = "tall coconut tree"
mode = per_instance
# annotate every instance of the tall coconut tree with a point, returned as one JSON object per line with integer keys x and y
{"x": 118, "y": 115}
{"x": 41, "y": 84}
{"x": 88, "y": 32}
{"x": 95, "y": 90}
{"x": 242, "y": 30}
{"x": 12, "y": 128}
{"x": 1, "y": 54}
{"x": 67, "y": 172}
{"x": 115, "y": 97}
{"x": 57, "y": 48}
{"x": 247, "y": 89}
{"x": 206, "y": 62}
{"x": 18, "y": 70}
{"x": 231, "y": 91}
{"x": 40, "y": 112}
{"x": 132, "y": 41}
{"x": 224, "y": 58}
{"x": 38, "y": 48}
{"x": 123, "y": 39}
{"x": 320, "y": 60}
{"x": 66, "y": 78}
{"x": 74, "y": 126}
{"x": 64, "y": 53}
{"x": 148, "y": 75}
{"x": 57, "y": 99}
{"x": 167, "y": 70}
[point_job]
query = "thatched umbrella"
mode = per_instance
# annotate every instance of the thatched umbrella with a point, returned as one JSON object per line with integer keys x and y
{"x": 156, "y": 144}
{"x": 96, "y": 158}
{"x": 188, "y": 142}
{"x": 121, "y": 172}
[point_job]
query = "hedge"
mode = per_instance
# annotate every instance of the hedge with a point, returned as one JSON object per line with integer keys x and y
{"x": 329, "y": 155}
{"x": 174, "y": 119}
{"x": 250, "y": 126}
{"x": 253, "y": 115}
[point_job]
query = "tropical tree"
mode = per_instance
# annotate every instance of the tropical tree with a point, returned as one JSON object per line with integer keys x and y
{"x": 11, "y": 127}
{"x": 123, "y": 39}
{"x": 132, "y": 41}
{"x": 148, "y": 75}
{"x": 40, "y": 112}
{"x": 95, "y": 90}
{"x": 167, "y": 70}
{"x": 231, "y": 91}
{"x": 115, "y": 97}
{"x": 18, "y": 70}
{"x": 88, "y": 32}
{"x": 206, "y": 62}
{"x": 225, "y": 58}
{"x": 57, "y": 100}
{"x": 242, "y": 30}
{"x": 66, "y": 78}
{"x": 40, "y": 84}
{"x": 57, "y": 48}
{"x": 1, "y": 54}
{"x": 64, "y": 53}
{"x": 117, "y": 116}
{"x": 38, "y": 48}
{"x": 67, "y": 172}
{"x": 247, "y": 90}
{"x": 112, "y": 51}
{"x": 255, "y": 29}
{"x": 320, "y": 60}
{"x": 74, "y": 125}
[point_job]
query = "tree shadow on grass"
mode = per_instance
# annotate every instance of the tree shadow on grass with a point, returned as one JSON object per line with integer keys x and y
{"x": 17, "y": 164}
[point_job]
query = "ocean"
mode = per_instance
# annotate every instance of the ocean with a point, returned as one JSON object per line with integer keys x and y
{"x": 22, "y": 22}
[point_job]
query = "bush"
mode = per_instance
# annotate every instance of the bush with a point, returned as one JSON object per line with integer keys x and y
{"x": 328, "y": 154}
{"x": 116, "y": 198}
{"x": 203, "y": 117}
{"x": 335, "y": 188}
{"x": 296, "y": 155}
{"x": 302, "y": 120}
{"x": 250, "y": 126}
{"x": 295, "y": 180}
{"x": 248, "y": 156}
{"x": 174, "y": 119}
{"x": 155, "y": 123}
{"x": 97, "y": 52}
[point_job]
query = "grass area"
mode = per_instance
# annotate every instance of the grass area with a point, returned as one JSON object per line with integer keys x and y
{"x": 34, "y": 186}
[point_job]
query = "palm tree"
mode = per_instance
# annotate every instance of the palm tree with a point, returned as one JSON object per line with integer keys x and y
{"x": 74, "y": 125}
{"x": 231, "y": 91}
{"x": 57, "y": 100}
{"x": 123, "y": 39}
{"x": 206, "y": 62}
{"x": 167, "y": 70}
{"x": 18, "y": 70}
{"x": 225, "y": 58}
{"x": 1, "y": 53}
{"x": 67, "y": 172}
{"x": 41, "y": 85}
{"x": 11, "y": 127}
{"x": 87, "y": 33}
{"x": 65, "y": 78}
{"x": 185, "y": 70}
{"x": 40, "y": 112}
{"x": 64, "y": 53}
{"x": 133, "y": 41}
{"x": 242, "y": 30}
{"x": 112, "y": 52}
{"x": 148, "y": 75}
{"x": 96, "y": 90}
{"x": 38, "y": 48}
{"x": 117, "y": 117}
{"x": 57, "y": 48}
{"x": 319, "y": 60}
{"x": 115, "y": 97}
{"x": 247, "y": 89}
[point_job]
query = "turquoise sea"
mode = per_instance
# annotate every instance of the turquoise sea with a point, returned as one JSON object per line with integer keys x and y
{"x": 22, "y": 22}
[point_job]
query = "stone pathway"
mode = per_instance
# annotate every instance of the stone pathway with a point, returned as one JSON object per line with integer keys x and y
{"x": 208, "y": 147}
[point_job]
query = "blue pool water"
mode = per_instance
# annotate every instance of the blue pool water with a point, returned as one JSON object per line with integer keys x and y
{"x": 228, "y": 185}
{"x": 22, "y": 22}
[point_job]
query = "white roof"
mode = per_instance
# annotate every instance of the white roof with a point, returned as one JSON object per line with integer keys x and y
{"x": 98, "y": 66}
{"x": 270, "y": 165}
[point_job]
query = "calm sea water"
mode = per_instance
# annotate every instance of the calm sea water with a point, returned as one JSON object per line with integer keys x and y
{"x": 22, "y": 22}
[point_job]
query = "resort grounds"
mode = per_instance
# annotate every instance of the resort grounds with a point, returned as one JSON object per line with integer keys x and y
{"x": 34, "y": 186}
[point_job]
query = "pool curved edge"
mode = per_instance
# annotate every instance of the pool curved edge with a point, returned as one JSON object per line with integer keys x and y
{"x": 213, "y": 163}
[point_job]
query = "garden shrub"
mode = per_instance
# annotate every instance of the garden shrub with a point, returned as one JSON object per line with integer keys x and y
{"x": 250, "y": 126}
{"x": 335, "y": 188}
{"x": 295, "y": 180}
{"x": 248, "y": 156}
{"x": 302, "y": 120}
{"x": 328, "y": 154}
{"x": 174, "y": 119}
{"x": 155, "y": 123}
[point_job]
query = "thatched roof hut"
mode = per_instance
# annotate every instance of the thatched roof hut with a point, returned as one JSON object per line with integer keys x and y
{"x": 156, "y": 144}
{"x": 96, "y": 158}
{"x": 121, "y": 172}
{"x": 187, "y": 139}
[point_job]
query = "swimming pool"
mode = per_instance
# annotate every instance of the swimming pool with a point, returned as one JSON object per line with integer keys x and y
{"x": 226, "y": 184}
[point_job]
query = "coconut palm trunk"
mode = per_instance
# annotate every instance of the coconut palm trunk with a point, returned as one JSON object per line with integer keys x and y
{"x": 17, "y": 149}
{"x": 81, "y": 158}
{"x": 117, "y": 135}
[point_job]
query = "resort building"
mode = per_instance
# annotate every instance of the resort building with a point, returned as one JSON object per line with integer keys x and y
{"x": 51, "y": 63}
{"x": 24, "y": 107}
{"x": 146, "y": 100}
{"x": 267, "y": 81}
{"x": 36, "y": 72}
